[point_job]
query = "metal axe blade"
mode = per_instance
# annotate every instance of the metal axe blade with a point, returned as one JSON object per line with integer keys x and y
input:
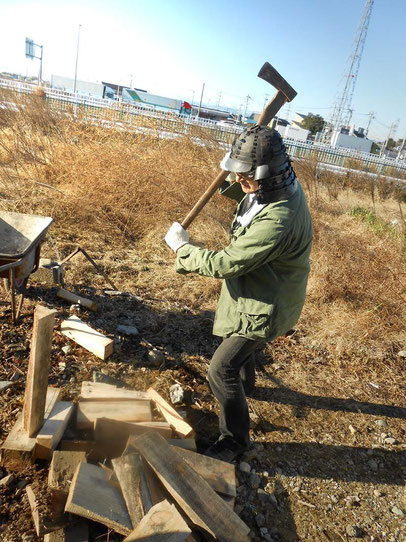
{"x": 285, "y": 93}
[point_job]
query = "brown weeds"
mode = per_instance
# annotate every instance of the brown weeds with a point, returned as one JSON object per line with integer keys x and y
{"x": 116, "y": 192}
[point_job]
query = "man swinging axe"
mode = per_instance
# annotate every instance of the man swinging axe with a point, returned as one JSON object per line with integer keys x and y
{"x": 264, "y": 267}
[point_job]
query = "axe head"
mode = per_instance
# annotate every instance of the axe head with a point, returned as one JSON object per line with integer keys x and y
{"x": 271, "y": 76}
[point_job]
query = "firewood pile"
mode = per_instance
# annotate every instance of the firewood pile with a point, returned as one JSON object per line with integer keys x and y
{"x": 136, "y": 471}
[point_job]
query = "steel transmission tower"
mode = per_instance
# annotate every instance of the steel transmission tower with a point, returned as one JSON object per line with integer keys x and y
{"x": 342, "y": 109}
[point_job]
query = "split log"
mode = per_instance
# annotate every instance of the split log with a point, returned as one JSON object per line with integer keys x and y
{"x": 92, "y": 391}
{"x": 77, "y": 299}
{"x": 175, "y": 420}
{"x": 95, "y": 342}
{"x": 53, "y": 429}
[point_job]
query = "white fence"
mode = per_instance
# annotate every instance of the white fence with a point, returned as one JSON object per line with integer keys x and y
{"x": 130, "y": 113}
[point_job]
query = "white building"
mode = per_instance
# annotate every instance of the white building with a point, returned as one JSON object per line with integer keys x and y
{"x": 351, "y": 141}
{"x": 293, "y": 131}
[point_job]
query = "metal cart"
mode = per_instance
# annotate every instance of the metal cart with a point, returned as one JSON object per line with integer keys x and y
{"x": 21, "y": 237}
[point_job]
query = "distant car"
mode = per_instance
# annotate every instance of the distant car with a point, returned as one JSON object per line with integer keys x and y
{"x": 225, "y": 123}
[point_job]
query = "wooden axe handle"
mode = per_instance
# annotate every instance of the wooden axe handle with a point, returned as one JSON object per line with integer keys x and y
{"x": 266, "y": 116}
{"x": 192, "y": 214}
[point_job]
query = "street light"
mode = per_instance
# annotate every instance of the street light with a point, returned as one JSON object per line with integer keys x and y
{"x": 77, "y": 57}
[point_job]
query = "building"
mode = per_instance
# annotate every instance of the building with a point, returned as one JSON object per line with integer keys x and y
{"x": 349, "y": 138}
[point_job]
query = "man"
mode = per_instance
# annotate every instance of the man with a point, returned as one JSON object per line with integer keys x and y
{"x": 265, "y": 269}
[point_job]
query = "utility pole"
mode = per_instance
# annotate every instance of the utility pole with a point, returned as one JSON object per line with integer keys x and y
{"x": 265, "y": 100}
{"x": 200, "y": 103}
{"x": 401, "y": 148}
{"x": 392, "y": 131}
{"x": 248, "y": 97}
{"x": 371, "y": 117}
{"x": 76, "y": 65}
{"x": 219, "y": 98}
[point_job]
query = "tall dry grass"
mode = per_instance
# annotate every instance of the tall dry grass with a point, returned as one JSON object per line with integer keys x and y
{"x": 116, "y": 192}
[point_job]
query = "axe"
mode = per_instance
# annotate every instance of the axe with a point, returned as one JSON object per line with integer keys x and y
{"x": 285, "y": 93}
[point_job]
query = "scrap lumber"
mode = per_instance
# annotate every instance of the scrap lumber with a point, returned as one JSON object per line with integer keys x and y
{"x": 106, "y": 428}
{"x": 97, "y": 343}
{"x": 107, "y": 392}
{"x": 43, "y": 524}
{"x": 130, "y": 411}
{"x": 53, "y": 429}
{"x": 175, "y": 420}
{"x": 77, "y": 299}
{"x": 163, "y": 523}
{"x": 193, "y": 494}
{"x": 62, "y": 469}
{"x": 38, "y": 369}
{"x": 128, "y": 471}
{"x": 18, "y": 446}
{"x": 219, "y": 474}
{"x": 93, "y": 497}
{"x": 74, "y": 533}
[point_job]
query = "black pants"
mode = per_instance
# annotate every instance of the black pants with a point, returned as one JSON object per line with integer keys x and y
{"x": 231, "y": 374}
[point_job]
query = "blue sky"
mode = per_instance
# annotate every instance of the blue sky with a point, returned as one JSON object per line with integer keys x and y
{"x": 172, "y": 47}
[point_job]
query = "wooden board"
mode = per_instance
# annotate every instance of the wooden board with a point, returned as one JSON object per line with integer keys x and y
{"x": 43, "y": 524}
{"x": 77, "y": 299}
{"x": 38, "y": 369}
{"x": 163, "y": 523}
{"x": 193, "y": 494}
{"x": 95, "y": 342}
{"x": 219, "y": 474}
{"x": 107, "y": 392}
{"x": 18, "y": 448}
{"x": 128, "y": 471}
{"x": 130, "y": 411}
{"x": 53, "y": 429}
{"x": 93, "y": 497}
{"x": 175, "y": 420}
{"x": 62, "y": 469}
{"x": 105, "y": 429}
{"x": 74, "y": 533}
{"x": 95, "y": 451}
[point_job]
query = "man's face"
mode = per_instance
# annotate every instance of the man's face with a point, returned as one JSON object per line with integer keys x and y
{"x": 248, "y": 185}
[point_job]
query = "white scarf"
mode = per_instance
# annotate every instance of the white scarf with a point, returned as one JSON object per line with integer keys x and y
{"x": 249, "y": 209}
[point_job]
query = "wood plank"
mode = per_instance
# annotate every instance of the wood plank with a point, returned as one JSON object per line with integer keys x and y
{"x": 163, "y": 523}
{"x": 175, "y": 420}
{"x": 107, "y": 392}
{"x": 106, "y": 428}
{"x": 38, "y": 369}
{"x": 18, "y": 448}
{"x": 93, "y": 497}
{"x": 131, "y": 411}
{"x": 128, "y": 471}
{"x": 96, "y": 343}
{"x": 74, "y": 533}
{"x": 62, "y": 469}
{"x": 77, "y": 299}
{"x": 53, "y": 429}
{"x": 43, "y": 524}
{"x": 193, "y": 494}
{"x": 219, "y": 474}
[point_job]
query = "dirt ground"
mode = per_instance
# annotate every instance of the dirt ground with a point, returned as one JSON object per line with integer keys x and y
{"x": 328, "y": 456}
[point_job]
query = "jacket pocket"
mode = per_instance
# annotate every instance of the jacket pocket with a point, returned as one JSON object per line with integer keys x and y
{"x": 255, "y": 318}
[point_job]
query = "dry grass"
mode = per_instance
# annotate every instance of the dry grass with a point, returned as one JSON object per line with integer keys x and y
{"x": 116, "y": 192}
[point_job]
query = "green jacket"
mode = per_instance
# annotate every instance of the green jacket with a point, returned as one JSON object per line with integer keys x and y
{"x": 265, "y": 267}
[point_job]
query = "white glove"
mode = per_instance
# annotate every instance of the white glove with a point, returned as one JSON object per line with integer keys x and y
{"x": 224, "y": 160}
{"x": 176, "y": 237}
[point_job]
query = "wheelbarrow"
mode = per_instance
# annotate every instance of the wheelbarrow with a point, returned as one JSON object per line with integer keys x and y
{"x": 21, "y": 237}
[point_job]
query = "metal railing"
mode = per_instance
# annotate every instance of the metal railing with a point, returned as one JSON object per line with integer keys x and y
{"x": 136, "y": 115}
